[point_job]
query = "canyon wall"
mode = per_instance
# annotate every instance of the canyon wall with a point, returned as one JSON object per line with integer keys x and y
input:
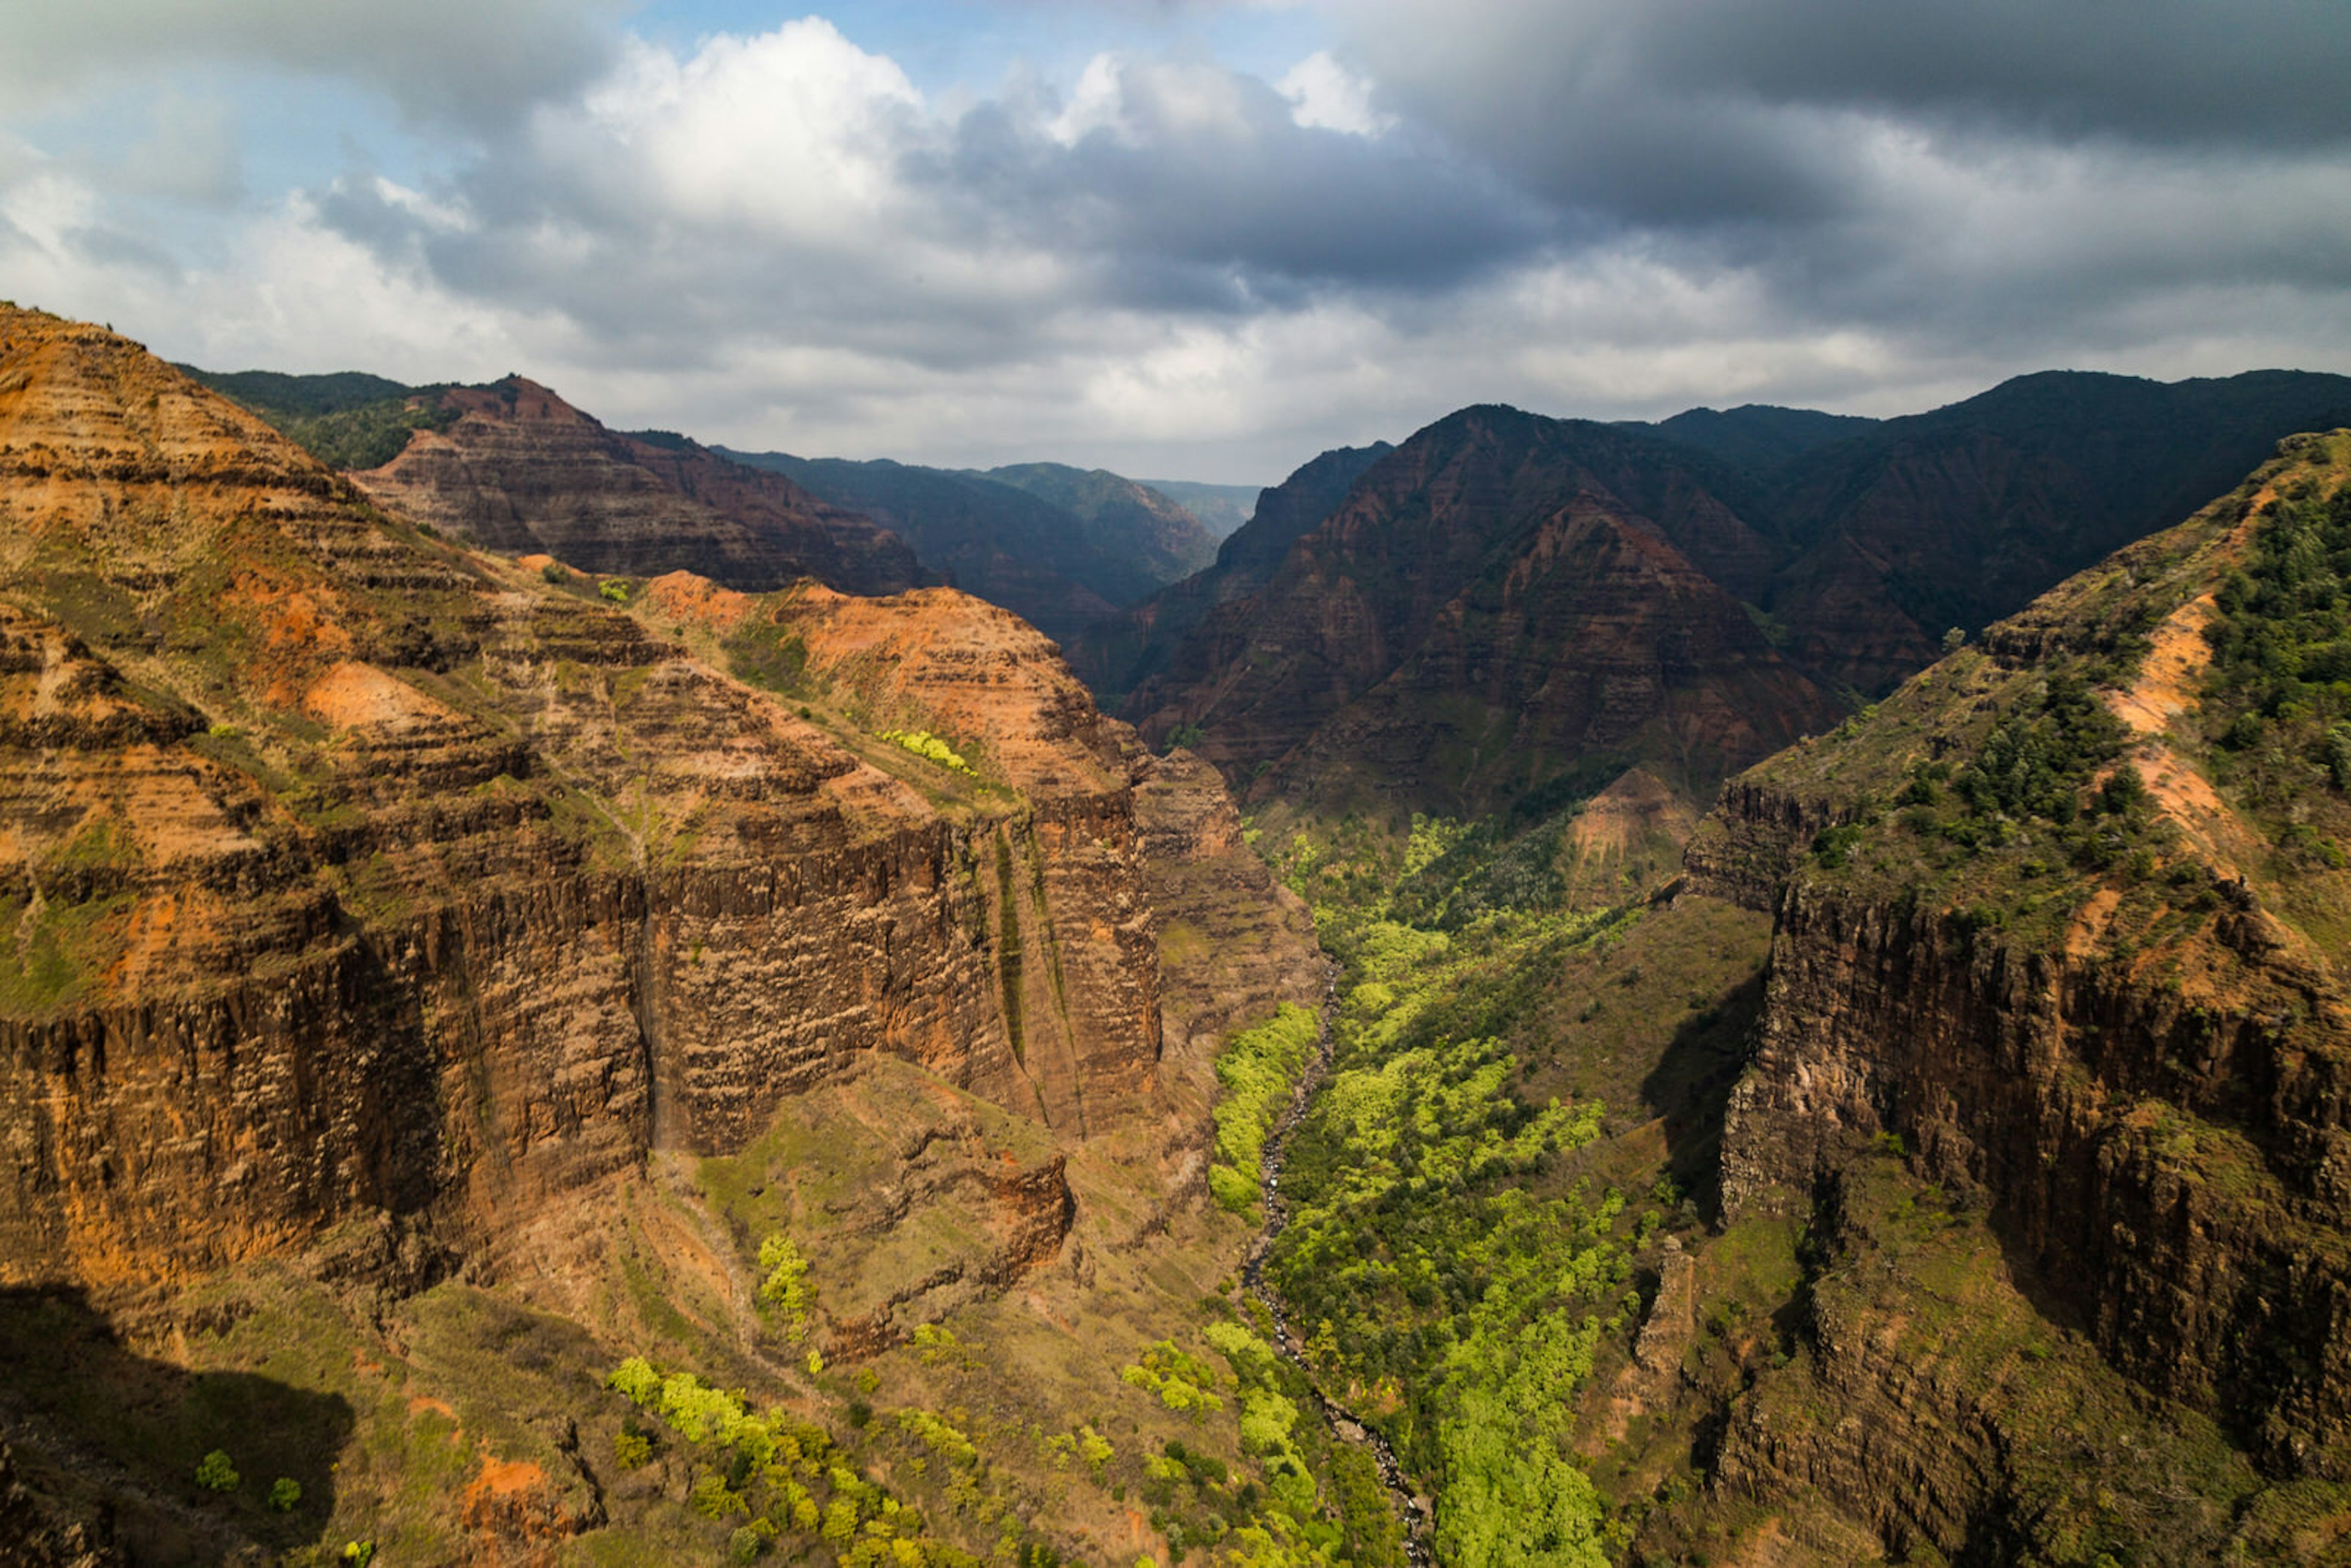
{"x": 365, "y": 893}
{"x": 2139, "y": 1066}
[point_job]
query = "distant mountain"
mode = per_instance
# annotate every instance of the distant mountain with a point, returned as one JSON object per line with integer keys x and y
{"x": 1501, "y": 611}
{"x": 1221, "y": 508}
{"x": 1755, "y": 437}
{"x": 1960, "y": 515}
{"x": 346, "y": 419}
{"x": 1119, "y": 653}
{"x": 280, "y": 393}
{"x": 520, "y": 470}
{"x": 514, "y": 467}
{"x": 1062, "y": 547}
{"x": 1349, "y": 645}
{"x": 1120, "y": 515}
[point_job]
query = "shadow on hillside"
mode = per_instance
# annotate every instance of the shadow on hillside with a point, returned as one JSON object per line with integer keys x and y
{"x": 111, "y": 1438}
{"x": 1690, "y": 1089}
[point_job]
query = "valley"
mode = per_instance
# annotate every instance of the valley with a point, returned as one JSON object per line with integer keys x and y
{"x": 1759, "y": 987}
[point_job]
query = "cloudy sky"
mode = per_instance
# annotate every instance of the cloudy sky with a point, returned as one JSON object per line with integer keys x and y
{"x": 1185, "y": 238}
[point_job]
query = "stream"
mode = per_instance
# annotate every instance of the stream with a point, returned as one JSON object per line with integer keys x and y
{"x": 1342, "y": 1421}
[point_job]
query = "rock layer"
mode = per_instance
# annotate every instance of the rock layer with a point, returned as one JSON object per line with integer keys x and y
{"x": 522, "y": 470}
{"x": 356, "y": 878}
{"x": 2147, "y": 1081}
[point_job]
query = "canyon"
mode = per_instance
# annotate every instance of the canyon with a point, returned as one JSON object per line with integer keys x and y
{"x": 565, "y": 999}
{"x": 395, "y": 914}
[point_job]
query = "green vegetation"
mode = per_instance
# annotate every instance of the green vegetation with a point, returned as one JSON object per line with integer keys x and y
{"x": 217, "y": 1472}
{"x": 285, "y": 1493}
{"x": 788, "y": 1476}
{"x": 1259, "y": 1070}
{"x": 784, "y": 1289}
{"x": 2277, "y": 702}
{"x": 346, "y": 421}
{"x": 1181, "y": 1382}
{"x": 1460, "y": 1280}
{"x": 923, "y": 743}
{"x": 1300, "y": 1499}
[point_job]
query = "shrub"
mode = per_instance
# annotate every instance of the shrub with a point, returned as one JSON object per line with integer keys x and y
{"x": 784, "y": 1288}
{"x": 284, "y": 1492}
{"x": 923, "y": 744}
{"x": 714, "y": 1499}
{"x": 614, "y": 590}
{"x": 555, "y": 571}
{"x": 632, "y": 1451}
{"x": 215, "y": 1473}
{"x": 636, "y": 1380}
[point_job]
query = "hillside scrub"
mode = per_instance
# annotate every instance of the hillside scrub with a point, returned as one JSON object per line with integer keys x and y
{"x": 1456, "y": 1288}
{"x": 1259, "y": 1070}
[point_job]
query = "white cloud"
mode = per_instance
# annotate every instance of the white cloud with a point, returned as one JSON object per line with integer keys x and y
{"x": 1327, "y": 94}
{"x": 776, "y": 240}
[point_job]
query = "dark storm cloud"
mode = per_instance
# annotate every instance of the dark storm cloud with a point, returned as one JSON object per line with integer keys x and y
{"x": 476, "y": 63}
{"x": 1955, "y": 173}
{"x": 2166, "y": 72}
{"x": 1690, "y": 112}
{"x": 1233, "y": 212}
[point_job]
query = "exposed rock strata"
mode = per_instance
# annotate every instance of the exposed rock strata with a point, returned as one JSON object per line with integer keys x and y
{"x": 1502, "y": 607}
{"x": 2146, "y": 1084}
{"x": 522, "y": 470}
{"x": 356, "y": 878}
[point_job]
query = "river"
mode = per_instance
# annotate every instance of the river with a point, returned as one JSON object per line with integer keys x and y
{"x": 1343, "y": 1422}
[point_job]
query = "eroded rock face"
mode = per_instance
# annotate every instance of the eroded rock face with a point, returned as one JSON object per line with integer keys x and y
{"x": 357, "y": 879}
{"x": 2148, "y": 1080}
{"x": 521, "y": 470}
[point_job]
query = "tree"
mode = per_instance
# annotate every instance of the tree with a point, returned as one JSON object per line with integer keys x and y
{"x": 215, "y": 1472}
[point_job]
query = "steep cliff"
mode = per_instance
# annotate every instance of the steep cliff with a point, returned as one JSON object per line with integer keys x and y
{"x": 432, "y": 977}
{"x": 518, "y": 469}
{"x": 353, "y": 874}
{"x": 2059, "y": 923}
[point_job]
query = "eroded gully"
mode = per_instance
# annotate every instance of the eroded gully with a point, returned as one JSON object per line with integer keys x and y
{"x": 1349, "y": 1428}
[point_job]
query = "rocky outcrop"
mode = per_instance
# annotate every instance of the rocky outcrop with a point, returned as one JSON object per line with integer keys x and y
{"x": 356, "y": 880}
{"x": 1233, "y": 943}
{"x": 1753, "y": 840}
{"x": 30, "y": 1538}
{"x": 521, "y": 471}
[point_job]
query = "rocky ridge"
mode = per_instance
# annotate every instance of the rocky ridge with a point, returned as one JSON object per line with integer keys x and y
{"x": 1502, "y": 607}
{"x": 520, "y": 470}
{"x": 2133, "y": 1068}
